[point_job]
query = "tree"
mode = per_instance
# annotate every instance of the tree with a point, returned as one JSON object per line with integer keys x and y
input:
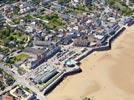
{"x": 63, "y": 1}
{"x": 9, "y": 81}
{"x": 1, "y": 70}
{"x": 11, "y": 38}
{"x": 2, "y": 86}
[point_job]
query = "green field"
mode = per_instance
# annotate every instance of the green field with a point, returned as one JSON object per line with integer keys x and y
{"x": 20, "y": 57}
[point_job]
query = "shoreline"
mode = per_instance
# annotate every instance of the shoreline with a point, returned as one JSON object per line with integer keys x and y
{"x": 75, "y": 82}
{"x": 105, "y": 47}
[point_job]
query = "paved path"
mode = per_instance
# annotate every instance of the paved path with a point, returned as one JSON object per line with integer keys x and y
{"x": 22, "y": 81}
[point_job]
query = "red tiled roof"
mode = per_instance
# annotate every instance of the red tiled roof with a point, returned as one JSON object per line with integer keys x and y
{"x": 5, "y": 97}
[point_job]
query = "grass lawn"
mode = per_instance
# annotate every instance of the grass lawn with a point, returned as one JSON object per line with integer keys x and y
{"x": 20, "y": 57}
{"x": 19, "y": 37}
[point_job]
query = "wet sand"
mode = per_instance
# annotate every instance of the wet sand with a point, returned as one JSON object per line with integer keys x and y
{"x": 107, "y": 75}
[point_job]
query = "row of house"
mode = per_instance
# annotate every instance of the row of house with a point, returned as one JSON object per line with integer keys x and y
{"x": 86, "y": 41}
{"x": 43, "y": 51}
{"x": 47, "y": 74}
{"x": 22, "y": 94}
{"x": 26, "y": 7}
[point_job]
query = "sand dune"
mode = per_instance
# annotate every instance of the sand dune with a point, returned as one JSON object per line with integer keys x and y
{"x": 107, "y": 75}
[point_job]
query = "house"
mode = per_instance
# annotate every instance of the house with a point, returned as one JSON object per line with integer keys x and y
{"x": 46, "y": 2}
{"x": 129, "y": 21}
{"x": 6, "y": 97}
{"x": 1, "y": 56}
{"x": 86, "y": 41}
{"x": 20, "y": 93}
{"x": 12, "y": 43}
{"x": 131, "y": 3}
{"x": 43, "y": 54}
{"x": 75, "y": 2}
{"x": 1, "y": 77}
{"x": 42, "y": 43}
{"x": 26, "y": 7}
{"x": 114, "y": 28}
{"x": 2, "y": 19}
{"x": 87, "y": 2}
{"x": 66, "y": 40}
{"x": 65, "y": 17}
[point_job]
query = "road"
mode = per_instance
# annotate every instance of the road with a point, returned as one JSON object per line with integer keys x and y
{"x": 8, "y": 88}
{"x": 21, "y": 80}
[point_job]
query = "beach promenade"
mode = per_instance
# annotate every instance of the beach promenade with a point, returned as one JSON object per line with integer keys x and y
{"x": 106, "y": 75}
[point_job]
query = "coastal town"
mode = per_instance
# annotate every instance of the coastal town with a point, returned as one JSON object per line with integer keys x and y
{"x": 43, "y": 41}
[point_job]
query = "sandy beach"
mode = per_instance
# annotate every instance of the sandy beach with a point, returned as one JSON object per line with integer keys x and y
{"x": 107, "y": 75}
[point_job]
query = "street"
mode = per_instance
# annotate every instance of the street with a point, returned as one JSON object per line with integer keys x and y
{"x": 22, "y": 81}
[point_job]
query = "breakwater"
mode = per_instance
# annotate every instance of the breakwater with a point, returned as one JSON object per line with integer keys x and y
{"x": 57, "y": 81}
